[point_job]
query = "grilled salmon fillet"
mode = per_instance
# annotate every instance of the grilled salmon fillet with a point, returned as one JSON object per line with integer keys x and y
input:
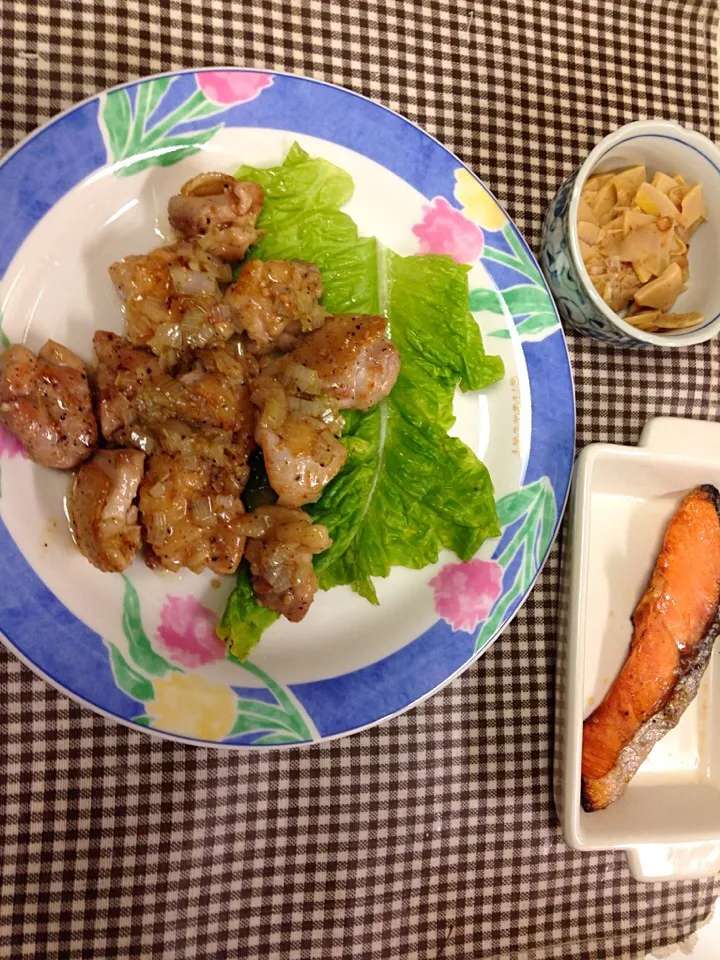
{"x": 674, "y": 628}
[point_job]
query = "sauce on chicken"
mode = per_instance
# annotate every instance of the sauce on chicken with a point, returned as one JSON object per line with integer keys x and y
{"x": 102, "y": 513}
{"x": 210, "y": 370}
{"x": 45, "y": 401}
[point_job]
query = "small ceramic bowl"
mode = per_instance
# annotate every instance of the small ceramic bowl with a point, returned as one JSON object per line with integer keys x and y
{"x": 660, "y": 145}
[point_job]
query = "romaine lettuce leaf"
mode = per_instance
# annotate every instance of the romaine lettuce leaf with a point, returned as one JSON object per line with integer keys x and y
{"x": 244, "y": 620}
{"x": 302, "y": 221}
{"x": 407, "y": 488}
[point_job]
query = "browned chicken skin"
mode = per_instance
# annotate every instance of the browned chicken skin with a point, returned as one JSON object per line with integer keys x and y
{"x": 122, "y": 372}
{"x": 45, "y": 401}
{"x": 276, "y": 300}
{"x": 355, "y": 362}
{"x": 191, "y": 512}
{"x": 100, "y": 505}
{"x": 279, "y": 549}
{"x": 207, "y": 394}
{"x": 173, "y": 302}
{"x": 218, "y": 212}
{"x": 297, "y": 436}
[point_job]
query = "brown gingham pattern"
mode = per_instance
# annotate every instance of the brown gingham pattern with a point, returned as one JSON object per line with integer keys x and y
{"x": 432, "y": 836}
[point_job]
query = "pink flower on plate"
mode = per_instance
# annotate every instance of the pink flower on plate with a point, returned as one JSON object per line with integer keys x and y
{"x": 232, "y": 86}
{"x": 465, "y": 592}
{"x": 187, "y": 632}
{"x": 444, "y": 229}
{"x": 10, "y": 446}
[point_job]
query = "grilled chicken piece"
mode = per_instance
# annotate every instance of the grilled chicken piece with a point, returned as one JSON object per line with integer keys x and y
{"x": 122, "y": 372}
{"x": 674, "y": 627}
{"x": 279, "y": 549}
{"x": 218, "y": 212}
{"x": 356, "y": 364}
{"x": 190, "y": 497}
{"x": 102, "y": 514}
{"x": 276, "y": 300}
{"x": 297, "y": 438}
{"x": 173, "y": 303}
{"x": 61, "y": 356}
{"x": 212, "y": 392}
{"x": 191, "y": 511}
{"x": 45, "y": 401}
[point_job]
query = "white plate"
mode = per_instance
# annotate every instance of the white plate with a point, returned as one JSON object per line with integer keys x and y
{"x": 92, "y": 186}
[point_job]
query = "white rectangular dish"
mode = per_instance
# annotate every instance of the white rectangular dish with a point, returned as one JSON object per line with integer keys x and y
{"x": 622, "y": 500}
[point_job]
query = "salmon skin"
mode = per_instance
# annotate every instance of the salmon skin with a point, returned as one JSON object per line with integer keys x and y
{"x": 674, "y": 628}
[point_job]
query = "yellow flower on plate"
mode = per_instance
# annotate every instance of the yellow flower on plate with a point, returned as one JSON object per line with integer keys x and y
{"x": 476, "y": 202}
{"x": 191, "y": 706}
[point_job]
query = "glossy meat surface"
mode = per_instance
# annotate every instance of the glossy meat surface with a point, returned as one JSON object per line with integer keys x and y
{"x": 45, "y": 401}
{"x": 298, "y": 440}
{"x": 122, "y": 372}
{"x": 173, "y": 301}
{"x": 218, "y": 212}
{"x": 191, "y": 510}
{"x": 207, "y": 394}
{"x": 279, "y": 549}
{"x": 356, "y": 363}
{"x": 101, "y": 509}
{"x": 274, "y": 301}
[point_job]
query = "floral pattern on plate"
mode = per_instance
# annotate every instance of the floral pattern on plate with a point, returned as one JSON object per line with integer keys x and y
{"x": 140, "y": 133}
{"x": 152, "y": 659}
{"x": 187, "y": 703}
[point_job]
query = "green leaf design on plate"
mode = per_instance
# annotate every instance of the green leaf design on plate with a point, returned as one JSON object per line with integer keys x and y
{"x": 514, "y": 504}
{"x": 525, "y": 298}
{"x": 258, "y": 715}
{"x": 128, "y": 134}
{"x": 528, "y": 300}
{"x": 537, "y": 323}
{"x": 143, "y": 720}
{"x": 166, "y": 152}
{"x": 518, "y": 259}
{"x": 131, "y": 682}
{"x": 139, "y": 646}
{"x": 4, "y": 342}
{"x": 185, "y": 112}
{"x": 521, "y": 254}
{"x": 534, "y": 506}
{"x": 117, "y": 119}
{"x": 283, "y": 720}
{"x": 485, "y": 299}
{"x": 147, "y": 97}
{"x": 533, "y": 325}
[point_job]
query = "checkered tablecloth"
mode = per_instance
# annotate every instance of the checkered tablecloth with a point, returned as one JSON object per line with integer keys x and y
{"x": 432, "y": 836}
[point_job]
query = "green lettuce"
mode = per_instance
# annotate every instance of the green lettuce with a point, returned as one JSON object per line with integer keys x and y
{"x": 244, "y": 620}
{"x": 302, "y": 221}
{"x": 407, "y": 488}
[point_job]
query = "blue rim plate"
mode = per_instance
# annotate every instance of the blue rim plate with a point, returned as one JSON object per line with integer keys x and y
{"x": 90, "y": 186}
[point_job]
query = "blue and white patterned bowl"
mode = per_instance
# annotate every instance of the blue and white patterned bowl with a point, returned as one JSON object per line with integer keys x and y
{"x": 660, "y": 145}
